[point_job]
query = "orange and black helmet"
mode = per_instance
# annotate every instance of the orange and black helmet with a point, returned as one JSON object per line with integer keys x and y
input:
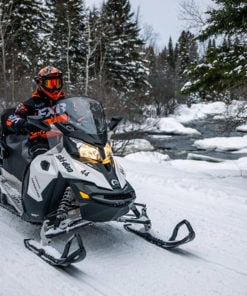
{"x": 50, "y": 82}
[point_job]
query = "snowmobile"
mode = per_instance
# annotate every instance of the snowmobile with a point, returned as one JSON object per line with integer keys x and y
{"x": 72, "y": 182}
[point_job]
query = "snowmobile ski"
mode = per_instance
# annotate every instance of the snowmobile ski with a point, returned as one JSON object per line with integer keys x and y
{"x": 53, "y": 257}
{"x": 171, "y": 243}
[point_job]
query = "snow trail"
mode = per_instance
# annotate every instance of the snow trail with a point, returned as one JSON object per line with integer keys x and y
{"x": 118, "y": 263}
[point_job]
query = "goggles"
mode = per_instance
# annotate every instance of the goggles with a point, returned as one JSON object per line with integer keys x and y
{"x": 53, "y": 83}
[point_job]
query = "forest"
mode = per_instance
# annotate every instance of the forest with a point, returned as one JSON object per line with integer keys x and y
{"x": 103, "y": 54}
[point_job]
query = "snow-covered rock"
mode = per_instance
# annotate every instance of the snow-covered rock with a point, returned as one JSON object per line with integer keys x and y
{"x": 222, "y": 143}
{"x": 154, "y": 157}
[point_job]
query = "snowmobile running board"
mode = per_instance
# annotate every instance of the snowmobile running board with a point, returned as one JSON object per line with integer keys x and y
{"x": 53, "y": 257}
{"x": 168, "y": 244}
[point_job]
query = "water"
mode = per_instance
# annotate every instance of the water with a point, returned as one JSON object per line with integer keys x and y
{"x": 178, "y": 146}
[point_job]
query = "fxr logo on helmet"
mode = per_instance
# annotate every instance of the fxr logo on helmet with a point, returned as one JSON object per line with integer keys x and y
{"x": 50, "y": 82}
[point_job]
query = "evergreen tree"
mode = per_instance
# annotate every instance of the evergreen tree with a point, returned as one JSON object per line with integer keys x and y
{"x": 228, "y": 18}
{"x": 162, "y": 79}
{"x": 125, "y": 65}
{"x": 68, "y": 41}
{"x": 171, "y": 54}
{"x": 170, "y": 70}
{"x": 6, "y": 8}
{"x": 96, "y": 53}
{"x": 20, "y": 43}
{"x": 187, "y": 52}
{"x": 224, "y": 67}
{"x": 160, "y": 91}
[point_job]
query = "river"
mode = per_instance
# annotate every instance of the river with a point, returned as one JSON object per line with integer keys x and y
{"x": 179, "y": 146}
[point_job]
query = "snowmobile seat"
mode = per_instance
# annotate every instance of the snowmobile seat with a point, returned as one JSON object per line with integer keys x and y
{"x": 14, "y": 154}
{"x": 5, "y": 130}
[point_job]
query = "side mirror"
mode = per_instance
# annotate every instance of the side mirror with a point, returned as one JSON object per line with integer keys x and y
{"x": 114, "y": 122}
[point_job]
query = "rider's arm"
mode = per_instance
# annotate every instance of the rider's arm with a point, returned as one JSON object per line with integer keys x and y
{"x": 17, "y": 122}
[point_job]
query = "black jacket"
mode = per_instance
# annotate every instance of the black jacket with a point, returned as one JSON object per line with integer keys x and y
{"x": 38, "y": 104}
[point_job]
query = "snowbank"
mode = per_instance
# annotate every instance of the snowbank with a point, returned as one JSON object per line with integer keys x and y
{"x": 168, "y": 125}
{"x": 219, "y": 110}
{"x": 242, "y": 128}
{"x": 171, "y": 125}
{"x": 222, "y": 143}
{"x": 153, "y": 157}
{"x": 199, "y": 111}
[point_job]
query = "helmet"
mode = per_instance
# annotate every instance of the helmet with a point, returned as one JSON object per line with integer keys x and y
{"x": 50, "y": 82}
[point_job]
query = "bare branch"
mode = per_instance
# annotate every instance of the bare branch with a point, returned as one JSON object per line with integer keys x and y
{"x": 192, "y": 15}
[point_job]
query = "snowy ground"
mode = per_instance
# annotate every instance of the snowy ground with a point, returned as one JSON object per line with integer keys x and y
{"x": 212, "y": 196}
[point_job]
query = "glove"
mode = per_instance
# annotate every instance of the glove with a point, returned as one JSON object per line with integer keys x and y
{"x": 23, "y": 127}
{"x": 20, "y": 126}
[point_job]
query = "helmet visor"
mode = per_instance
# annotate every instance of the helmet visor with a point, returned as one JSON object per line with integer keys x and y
{"x": 53, "y": 83}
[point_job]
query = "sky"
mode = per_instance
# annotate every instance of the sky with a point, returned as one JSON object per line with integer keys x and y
{"x": 164, "y": 16}
{"x": 211, "y": 195}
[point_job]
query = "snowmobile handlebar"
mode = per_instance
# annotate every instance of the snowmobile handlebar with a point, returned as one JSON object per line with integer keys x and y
{"x": 38, "y": 122}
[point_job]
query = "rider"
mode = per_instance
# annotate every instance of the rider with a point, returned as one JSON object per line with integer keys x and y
{"x": 48, "y": 92}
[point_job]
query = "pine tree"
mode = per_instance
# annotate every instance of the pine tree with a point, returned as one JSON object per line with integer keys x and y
{"x": 228, "y": 18}
{"x": 163, "y": 80}
{"x": 171, "y": 54}
{"x": 187, "y": 53}
{"x": 96, "y": 53}
{"x": 224, "y": 67}
{"x": 21, "y": 22}
{"x": 170, "y": 70}
{"x": 125, "y": 65}
{"x": 160, "y": 90}
{"x": 68, "y": 41}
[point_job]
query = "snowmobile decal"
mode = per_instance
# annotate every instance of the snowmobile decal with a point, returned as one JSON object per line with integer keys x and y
{"x": 34, "y": 182}
{"x": 65, "y": 163}
{"x": 85, "y": 172}
{"x": 45, "y": 112}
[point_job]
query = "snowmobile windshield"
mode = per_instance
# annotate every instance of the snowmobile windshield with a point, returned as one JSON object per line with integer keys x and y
{"x": 85, "y": 116}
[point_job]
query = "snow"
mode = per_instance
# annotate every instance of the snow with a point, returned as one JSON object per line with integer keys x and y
{"x": 167, "y": 125}
{"x": 210, "y": 193}
{"x": 212, "y": 196}
{"x": 171, "y": 125}
{"x": 184, "y": 114}
{"x": 199, "y": 111}
{"x": 242, "y": 128}
{"x": 222, "y": 143}
{"x": 149, "y": 157}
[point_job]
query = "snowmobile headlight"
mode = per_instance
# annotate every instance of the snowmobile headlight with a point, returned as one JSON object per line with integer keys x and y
{"x": 108, "y": 150}
{"x": 89, "y": 152}
{"x": 92, "y": 153}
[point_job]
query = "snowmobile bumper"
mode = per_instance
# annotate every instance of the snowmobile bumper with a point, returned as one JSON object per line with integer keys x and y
{"x": 102, "y": 205}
